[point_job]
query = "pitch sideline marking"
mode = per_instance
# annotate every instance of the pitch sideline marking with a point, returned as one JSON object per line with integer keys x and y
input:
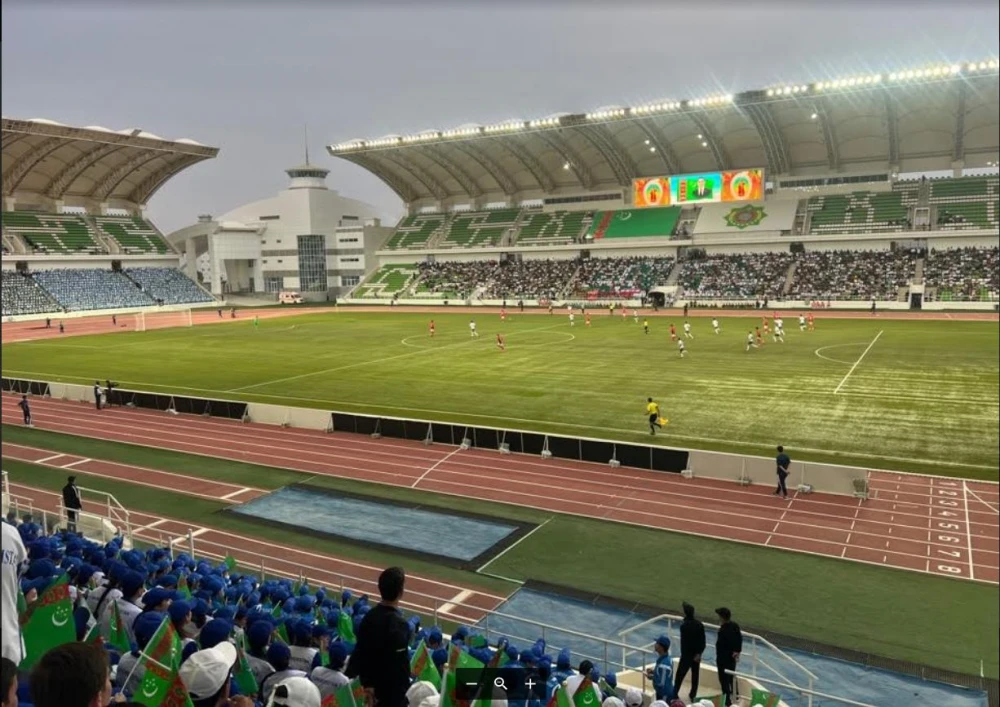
{"x": 836, "y": 346}
{"x": 856, "y": 363}
{"x": 515, "y": 544}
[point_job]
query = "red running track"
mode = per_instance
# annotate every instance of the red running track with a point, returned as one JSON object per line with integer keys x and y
{"x": 460, "y": 604}
{"x": 920, "y": 523}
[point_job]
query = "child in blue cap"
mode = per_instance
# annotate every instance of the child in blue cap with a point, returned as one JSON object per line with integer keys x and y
{"x": 662, "y": 674}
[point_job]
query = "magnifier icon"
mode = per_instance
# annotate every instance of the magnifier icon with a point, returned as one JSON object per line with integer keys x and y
{"x": 499, "y": 682}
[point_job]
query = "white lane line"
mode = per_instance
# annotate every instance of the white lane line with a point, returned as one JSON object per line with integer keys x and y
{"x": 235, "y": 493}
{"x": 515, "y": 544}
{"x": 434, "y": 466}
{"x": 782, "y": 518}
{"x": 856, "y": 363}
{"x": 968, "y": 529}
{"x": 151, "y": 525}
{"x": 847, "y": 543}
{"x": 72, "y": 464}
{"x": 48, "y": 459}
{"x": 183, "y": 538}
{"x": 980, "y": 499}
{"x": 457, "y": 599}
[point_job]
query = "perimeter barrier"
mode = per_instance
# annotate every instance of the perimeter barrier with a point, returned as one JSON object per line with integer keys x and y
{"x": 743, "y": 469}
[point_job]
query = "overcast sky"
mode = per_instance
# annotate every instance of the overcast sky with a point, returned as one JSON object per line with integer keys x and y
{"x": 245, "y": 78}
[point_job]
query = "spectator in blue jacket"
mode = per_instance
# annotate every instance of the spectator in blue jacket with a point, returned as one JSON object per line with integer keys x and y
{"x": 662, "y": 674}
{"x": 563, "y": 669}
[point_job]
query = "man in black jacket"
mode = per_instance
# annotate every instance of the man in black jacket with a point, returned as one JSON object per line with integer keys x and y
{"x": 728, "y": 646}
{"x": 71, "y": 502}
{"x": 381, "y": 656}
{"x": 692, "y": 646}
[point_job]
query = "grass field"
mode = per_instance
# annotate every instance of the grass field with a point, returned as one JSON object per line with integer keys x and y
{"x": 920, "y": 396}
{"x": 821, "y": 599}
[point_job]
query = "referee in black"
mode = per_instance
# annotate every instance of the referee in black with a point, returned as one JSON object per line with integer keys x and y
{"x": 783, "y": 461}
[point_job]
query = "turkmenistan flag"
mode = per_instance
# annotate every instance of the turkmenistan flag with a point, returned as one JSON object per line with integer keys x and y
{"x": 763, "y": 698}
{"x": 161, "y": 659}
{"x": 341, "y": 697}
{"x": 585, "y": 696}
{"x": 422, "y": 666}
{"x": 276, "y": 611}
{"x": 449, "y": 691}
{"x": 716, "y": 700}
{"x": 345, "y": 628}
{"x": 281, "y": 633}
{"x": 457, "y": 658}
{"x": 560, "y": 698}
{"x": 230, "y": 562}
{"x": 243, "y": 673}
{"x": 118, "y": 638}
{"x": 47, "y": 622}
{"x": 358, "y": 693}
{"x": 477, "y": 641}
{"x": 499, "y": 658}
{"x": 176, "y": 694}
{"x": 183, "y": 588}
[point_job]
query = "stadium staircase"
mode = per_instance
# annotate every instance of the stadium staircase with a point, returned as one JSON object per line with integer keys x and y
{"x": 918, "y": 272}
{"x": 416, "y": 231}
{"x": 789, "y": 278}
{"x": 570, "y": 286}
{"x": 675, "y": 273}
{"x": 388, "y": 282}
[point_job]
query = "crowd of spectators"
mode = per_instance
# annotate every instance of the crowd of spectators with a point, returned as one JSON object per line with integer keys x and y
{"x": 512, "y": 280}
{"x": 243, "y": 642}
{"x": 737, "y": 276}
{"x": 852, "y": 274}
{"x": 22, "y": 295}
{"x": 622, "y": 276}
{"x": 963, "y": 274}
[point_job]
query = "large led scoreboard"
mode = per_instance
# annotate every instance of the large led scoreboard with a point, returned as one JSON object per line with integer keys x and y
{"x": 709, "y": 187}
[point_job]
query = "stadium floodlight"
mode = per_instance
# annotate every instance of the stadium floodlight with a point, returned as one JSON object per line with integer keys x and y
{"x": 652, "y": 149}
{"x": 814, "y": 116}
{"x": 566, "y": 166}
{"x": 704, "y": 144}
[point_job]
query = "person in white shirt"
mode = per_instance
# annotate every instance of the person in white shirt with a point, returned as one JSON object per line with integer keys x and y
{"x": 329, "y": 678}
{"x": 680, "y": 347}
{"x": 715, "y": 325}
{"x": 472, "y": 328}
{"x": 572, "y": 683}
{"x": 779, "y": 330}
{"x": 14, "y": 556}
{"x": 572, "y": 319}
{"x": 129, "y": 605}
{"x": 802, "y": 323}
{"x": 687, "y": 331}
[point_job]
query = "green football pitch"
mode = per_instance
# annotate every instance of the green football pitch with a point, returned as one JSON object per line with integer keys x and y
{"x": 873, "y": 392}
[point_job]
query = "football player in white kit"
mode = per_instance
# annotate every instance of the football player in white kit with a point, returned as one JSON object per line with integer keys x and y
{"x": 635, "y": 315}
{"x": 572, "y": 319}
{"x": 750, "y": 342}
{"x": 680, "y": 348}
{"x": 687, "y": 331}
{"x": 715, "y": 325}
{"x": 779, "y": 330}
{"x": 472, "y": 329}
{"x": 802, "y": 322}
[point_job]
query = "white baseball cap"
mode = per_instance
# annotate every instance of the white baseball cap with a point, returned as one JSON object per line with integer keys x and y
{"x": 207, "y": 670}
{"x": 633, "y": 697}
{"x": 295, "y": 692}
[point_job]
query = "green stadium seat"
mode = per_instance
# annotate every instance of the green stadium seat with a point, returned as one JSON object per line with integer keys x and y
{"x": 132, "y": 234}
{"x": 551, "y": 228}
{"x": 474, "y": 229}
{"x": 858, "y": 212}
{"x": 635, "y": 223}
{"x": 52, "y": 233}
{"x": 415, "y": 231}
{"x": 387, "y": 281}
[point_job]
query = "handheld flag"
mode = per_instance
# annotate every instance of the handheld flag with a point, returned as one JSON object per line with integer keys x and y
{"x": 763, "y": 698}
{"x": 229, "y": 562}
{"x": 118, "y": 639}
{"x": 161, "y": 660}
{"x": 183, "y": 588}
{"x": 457, "y": 658}
{"x": 243, "y": 674}
{"x": 343, "y": 696}
{"x": 585, "y": 695}
{"x": 422, "y": 666}
{"x": 358, "y": 693}
{"x": 345, "y": 628}
{"x": 47, "y": 623}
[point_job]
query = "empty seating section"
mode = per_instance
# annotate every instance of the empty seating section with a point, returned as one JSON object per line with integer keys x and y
{"x": 551, "y": 228}
{"x": 168, "y": 285}
{"x": 635, "y": 223}
{"x": 963, "y": 274}
{"x": 859, "y": 212}
{"x": 133, "y": 234}
{"x": 622, "y": 277}
{"x": 22, "y": 295}
{"x": 415, "y": 231}
{"x": 78, "y": 290}
{"x": 481, "y": 229}
{"x": 968, "y": 202}
{"x": 52, "y": 233}
{"x": 851, "y": 274}
{"x": 739, "y": 276}
{"x": 388, "y": 281}
{"x": 909, "y": 191}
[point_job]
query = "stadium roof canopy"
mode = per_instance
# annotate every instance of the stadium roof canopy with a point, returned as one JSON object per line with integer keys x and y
{"x": 936, "y": 118}
{"x": 45, "y": 162}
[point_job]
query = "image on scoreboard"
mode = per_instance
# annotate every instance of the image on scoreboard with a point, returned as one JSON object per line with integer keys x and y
{"x": 743, "y": 185}
{"x": 695, "y": 188}
{"x": 651, "y": 191}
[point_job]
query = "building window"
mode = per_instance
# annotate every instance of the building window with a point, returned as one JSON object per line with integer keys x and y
{"x": 350, "y": 218}
{"x": 350, "y": 280}
{"x": 273, "y": 284}
{"x": 350, "y": 260}
{"x": 312, "y": 264}
{"x": 270, "y": 218}
{"x": 348, "y": 240}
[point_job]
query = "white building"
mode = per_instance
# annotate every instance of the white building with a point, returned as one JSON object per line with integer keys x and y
{"x": 307, "y": 238}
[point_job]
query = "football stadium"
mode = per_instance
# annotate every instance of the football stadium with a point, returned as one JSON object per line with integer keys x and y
{"x": 688, "y": 402}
